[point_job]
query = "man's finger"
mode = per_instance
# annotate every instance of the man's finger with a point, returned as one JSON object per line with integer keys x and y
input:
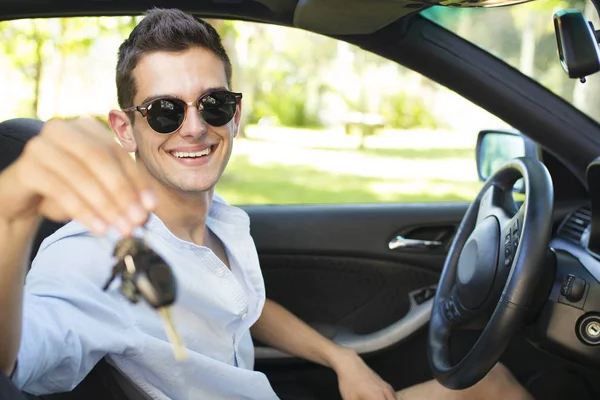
{"x": 75, "y": 175}
{"x": 100, "y": 152}
{"x": 390, "y": 394}
{"x": 139, "y": 183}
{"x": 60, "y": 202}
{"x": 95, "y": 128}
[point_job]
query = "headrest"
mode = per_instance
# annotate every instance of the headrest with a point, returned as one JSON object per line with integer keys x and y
{"x": 14, "y": 133}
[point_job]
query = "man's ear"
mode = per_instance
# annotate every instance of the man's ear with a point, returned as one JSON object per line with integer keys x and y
{"x": 237, "y": 118}
{"x": 121, "y": 126}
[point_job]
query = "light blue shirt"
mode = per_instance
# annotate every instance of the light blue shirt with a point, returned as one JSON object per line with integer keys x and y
{"x": 69, "y": 323}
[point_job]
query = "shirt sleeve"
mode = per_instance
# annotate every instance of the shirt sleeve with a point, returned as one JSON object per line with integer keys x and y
{"x": 69, "y": 323}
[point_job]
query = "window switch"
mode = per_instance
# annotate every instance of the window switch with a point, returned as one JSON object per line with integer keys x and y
{"x": 423, "y": 295}
{"x": 429, "y": 293}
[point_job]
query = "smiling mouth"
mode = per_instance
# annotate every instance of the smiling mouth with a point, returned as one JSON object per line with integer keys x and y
{"x": 196, "y": 154}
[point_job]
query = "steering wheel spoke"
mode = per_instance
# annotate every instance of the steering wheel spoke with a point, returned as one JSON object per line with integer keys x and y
{"x": 496, "y": 202}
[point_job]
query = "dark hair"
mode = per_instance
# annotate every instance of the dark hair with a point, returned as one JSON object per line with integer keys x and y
{"x": 164, "y": 30}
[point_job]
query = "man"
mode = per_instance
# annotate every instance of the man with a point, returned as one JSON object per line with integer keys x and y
{"x": 179, "y": 118}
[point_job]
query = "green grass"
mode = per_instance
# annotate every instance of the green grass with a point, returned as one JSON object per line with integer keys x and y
{"x": 274, "y": 165}
{"x": 412, "y": 154}
{"x": 247, "y": 183}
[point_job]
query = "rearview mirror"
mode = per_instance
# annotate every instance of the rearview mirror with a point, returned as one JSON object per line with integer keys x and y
{"x": 577, "y": 44}
{"x": 496, "y": 147}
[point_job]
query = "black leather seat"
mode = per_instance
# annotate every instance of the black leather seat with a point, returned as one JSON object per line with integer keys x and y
{"x": 103, "y": 382}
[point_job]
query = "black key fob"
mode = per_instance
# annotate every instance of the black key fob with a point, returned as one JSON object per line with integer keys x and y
{"x": 143, "y": 272}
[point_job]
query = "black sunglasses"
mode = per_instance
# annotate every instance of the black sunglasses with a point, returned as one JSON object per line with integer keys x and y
{"x": 166, "y": 115}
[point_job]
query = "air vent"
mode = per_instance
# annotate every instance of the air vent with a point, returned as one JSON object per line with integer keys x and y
{"x": 575, "y": 224}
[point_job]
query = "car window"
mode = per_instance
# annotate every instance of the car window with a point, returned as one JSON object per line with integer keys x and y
{"x": 523, "y": 36}
{"x": 323, "y": 121}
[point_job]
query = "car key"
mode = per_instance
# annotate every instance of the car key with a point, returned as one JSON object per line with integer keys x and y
{"x": 144, "y": 273}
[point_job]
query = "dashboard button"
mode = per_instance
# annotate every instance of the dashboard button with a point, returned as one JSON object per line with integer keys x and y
{"x": 572, "y": 288}
{"x": 507, "y": 254}
{"x": 508, "y": 237}
{"x": 451, "y": 311}
{"x": 515, "y": 227}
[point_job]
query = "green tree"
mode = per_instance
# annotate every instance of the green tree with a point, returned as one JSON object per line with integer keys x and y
{"x": 283, "y": 72}
{"x": 229, "y": 36}
{"x": 30, "y": 44}
{"x": 24, "y": 43}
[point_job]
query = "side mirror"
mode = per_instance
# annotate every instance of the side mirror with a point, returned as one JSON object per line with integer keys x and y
{"x": 495, "y": 147}
{"x": 577, "y": 44}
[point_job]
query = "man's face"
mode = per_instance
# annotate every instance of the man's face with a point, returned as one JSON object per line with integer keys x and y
{"x": 185, "y": 75}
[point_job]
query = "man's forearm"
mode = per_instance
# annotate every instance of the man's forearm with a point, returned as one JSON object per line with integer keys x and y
{"x": 15, "y": 246}
{"x": 279, "y": 328}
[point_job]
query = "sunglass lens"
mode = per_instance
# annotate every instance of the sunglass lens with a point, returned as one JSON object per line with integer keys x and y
{"x": 218, "y": 108}
{"x": 166, "y": 115}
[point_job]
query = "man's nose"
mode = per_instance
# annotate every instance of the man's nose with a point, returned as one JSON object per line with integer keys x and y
{"x": 194, "y": 125}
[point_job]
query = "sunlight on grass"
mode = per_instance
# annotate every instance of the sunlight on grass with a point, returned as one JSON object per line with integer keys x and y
{"x": 285, "y": 172}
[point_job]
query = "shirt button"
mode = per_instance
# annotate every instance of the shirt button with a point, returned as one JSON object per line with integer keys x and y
{"x": 244, "y": 315}
{"x": 220, "y": 272}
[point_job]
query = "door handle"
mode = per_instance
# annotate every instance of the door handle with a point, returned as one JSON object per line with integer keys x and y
{"x": 400, "y": 242}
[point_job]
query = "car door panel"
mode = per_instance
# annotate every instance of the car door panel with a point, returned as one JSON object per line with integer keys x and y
{"x": 360, "y": 294}
{"x": 363, "y": 230}
{"x": 333, "y": 268}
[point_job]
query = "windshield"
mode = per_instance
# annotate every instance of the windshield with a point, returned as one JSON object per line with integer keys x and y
{"x": 523, "y": 36}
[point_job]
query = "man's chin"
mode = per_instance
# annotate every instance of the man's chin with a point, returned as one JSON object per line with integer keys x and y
{"x": 189, "y": 183}
{"x": 189, "y": 188}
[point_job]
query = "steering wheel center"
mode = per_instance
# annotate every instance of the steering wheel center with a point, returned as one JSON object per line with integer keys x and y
{"x": 477, "y": 264}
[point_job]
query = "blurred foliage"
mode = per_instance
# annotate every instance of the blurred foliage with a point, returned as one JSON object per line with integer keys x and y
{"x": 280, "y": 79}
{"x": 286, "y": 75}
{"x": 30, "y": 43}
{"x": 404, "y": 111}
{"x": 26, "y": 44}
{"x": 285, "y": 103}
{"x": 523, "y": 36}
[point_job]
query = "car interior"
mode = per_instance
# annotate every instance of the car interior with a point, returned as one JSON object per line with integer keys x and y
{"x": 397, "y": 282}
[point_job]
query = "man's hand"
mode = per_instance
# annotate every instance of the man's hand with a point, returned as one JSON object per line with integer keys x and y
{"x": 279, "y": 328}
{"x": 71, "y": 170}
{"x": 76, "y": 170}
{"x": 359, "y": 382}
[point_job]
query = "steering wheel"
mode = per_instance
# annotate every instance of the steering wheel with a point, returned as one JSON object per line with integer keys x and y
{"x": 491, "y": 272}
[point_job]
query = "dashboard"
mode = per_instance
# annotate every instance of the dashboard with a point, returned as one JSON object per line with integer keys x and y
{"x": 568, "y": 323}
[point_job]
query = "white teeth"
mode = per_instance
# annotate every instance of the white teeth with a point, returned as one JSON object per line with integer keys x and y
{"x": 184, "y": 154}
